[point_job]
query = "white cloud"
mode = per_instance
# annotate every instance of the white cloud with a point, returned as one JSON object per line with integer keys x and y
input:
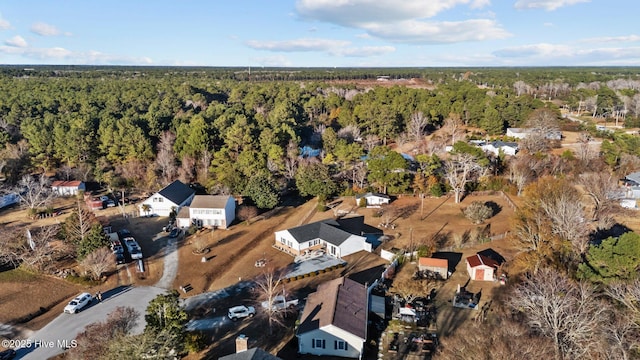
{"x": 297, "y": 45}
{"x": 364, "y": 51}
{"x": 558, "y": 54}
{"x": 17, "y": 41}
{"x": 355, "y": 13}
{"x": 610, "y": 39}
{"x": 405, "y": 21}
{"x": 276, "y": 61}
{"x": 4, "y": 24}
{"x": 43, "y": 29}
{"x": 411, "y": 31}
{"x": 62, "y": 55}
{"x": 548, "y": 5}
{"x": 535, "y": 50}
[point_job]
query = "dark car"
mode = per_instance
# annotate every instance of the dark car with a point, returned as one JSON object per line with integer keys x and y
{"x": 174, "y": 233}
{"x": 7, "y": 354}
{"x": 123, "y": 233}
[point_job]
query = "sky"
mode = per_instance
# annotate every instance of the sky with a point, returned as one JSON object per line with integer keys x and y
{"x": 321, "y": 33}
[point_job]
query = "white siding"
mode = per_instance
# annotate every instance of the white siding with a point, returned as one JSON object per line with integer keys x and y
{"x": 330, "y": 334}
{"x": 354, "y": 244}
{"x": 284, "y": 238}
{"x": 219, "y": 217}
{"x": 160, "y": 206}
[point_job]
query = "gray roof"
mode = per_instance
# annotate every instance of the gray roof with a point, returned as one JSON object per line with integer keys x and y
{"x": 635, "y": 177}
{"x": 251, "y": 354}
{"x": 341, "y": 302}
{"x": 500, "y": 143}
{"x": 332, "y": 231}
{"x": 209, "y": 201}
{"x": 177, "y": 192}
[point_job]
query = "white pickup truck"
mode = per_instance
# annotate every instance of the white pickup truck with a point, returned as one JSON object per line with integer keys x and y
{"x": 280, "y": 303}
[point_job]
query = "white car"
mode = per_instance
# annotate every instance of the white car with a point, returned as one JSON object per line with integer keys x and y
{"x": 134, "y": 249}
{"x": 240, "y": 312}
{"x": 78, "y": 303}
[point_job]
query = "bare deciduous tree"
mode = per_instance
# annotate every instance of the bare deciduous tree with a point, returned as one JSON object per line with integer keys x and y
{"x": 452, "y": 128}
{"x": 269, "y": 285}
{"x": 568, "y": 313}
{"x": 604, "y": 192}
{"x": 31, "y": 249}
{"x": 520, "y": 173}
{"x": 359, "y": 174}
{"x": 186, "y": 172}
{"x": 35, "y": 193}
{"x": 460, "y": 170}
{"x": 370, "y": 141}
{"x": 247, "y": 212}
{"x": 166, "y": 158}
{"x": 96, "y": 338}
{"x": 98, "y": 262}
{"x": 416, "y": 125}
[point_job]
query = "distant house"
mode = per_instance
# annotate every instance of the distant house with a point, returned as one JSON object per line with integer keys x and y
{"x": 439, "y": 266}
{"x": 632, "y": 185}
{"x": 334, "y": 320}
{"x": 481, "y": 268}
{"x": 337, "y": 237}
{"x": 68, "y": 188}
{"x": 170, "y": 198}
{"x": 217, "y": 211}
{"x": 521, "y": 133}
{"x": 373, "y": 199}
{"x": 494, "y": 147}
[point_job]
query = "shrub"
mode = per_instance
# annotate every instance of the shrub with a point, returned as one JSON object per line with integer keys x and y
{"x": 195, "y": 341}
{"x": 478, "y": 212}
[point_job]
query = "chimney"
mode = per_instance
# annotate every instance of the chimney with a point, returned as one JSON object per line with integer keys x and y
{"x": 242, "y": 343}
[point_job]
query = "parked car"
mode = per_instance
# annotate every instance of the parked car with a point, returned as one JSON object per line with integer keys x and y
{"x": 104, "y": 198}
{"x": 118, "y": 251}
{"x": 78, "y": 303}
{"x": 241, "y": 312}
{"x": 123, "y": 233}
{"x": 174, "y": 233}
{"x": 280, "y": 303}
{"x": 111, "y": 203}
{"x": 134, "y": 249}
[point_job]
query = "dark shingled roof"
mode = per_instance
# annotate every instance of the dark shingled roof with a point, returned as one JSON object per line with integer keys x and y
{"x": 251, "y": 354}
{"x": 332, "y": 231}
{"x": 341, "y": 302}
{"x": 176, "y": 192}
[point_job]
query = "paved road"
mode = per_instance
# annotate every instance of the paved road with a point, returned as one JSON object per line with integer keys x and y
{"x": 51, "y": 339}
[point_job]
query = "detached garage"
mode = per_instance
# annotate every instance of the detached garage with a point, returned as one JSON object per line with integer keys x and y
{"x": 481, "y": 268}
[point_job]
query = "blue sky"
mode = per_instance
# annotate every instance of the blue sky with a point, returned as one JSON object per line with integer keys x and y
{"x": 321, "y": 33}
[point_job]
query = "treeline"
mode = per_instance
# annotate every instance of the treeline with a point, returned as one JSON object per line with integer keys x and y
{"x": 144, "y": 127}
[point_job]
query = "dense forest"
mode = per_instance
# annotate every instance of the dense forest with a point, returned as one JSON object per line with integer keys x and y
{"x": 266, "y": 133}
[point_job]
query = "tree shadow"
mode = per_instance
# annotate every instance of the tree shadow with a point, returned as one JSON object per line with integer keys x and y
{"x": 495, "y": 208}
{"x": 453, "y": 258}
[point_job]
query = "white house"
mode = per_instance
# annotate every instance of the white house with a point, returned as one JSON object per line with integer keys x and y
{"x": 68, "y": 188}
{"x": 171, "y": 198}
{"x": 494, "y": 147}
{"x": 217, "y": 211}
{"x": 337, "y": 237}
{"x": 373, "y": 199}
{"x": 481, "y": 268}
{"x": 334, "y": 320}
{"x": 521, "y": 133}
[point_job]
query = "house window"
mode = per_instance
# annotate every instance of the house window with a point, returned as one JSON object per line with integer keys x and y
{"x": 157, "y": 199}
{"x": 318, "y": 343}
{"x": 340, "y": 345}
{"x": 333, "y": 250}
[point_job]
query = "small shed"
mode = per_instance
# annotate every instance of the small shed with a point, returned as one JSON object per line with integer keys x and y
{"x": 439, "y": 266}
{"x": 373, "y": 199}
{"x": 481, "y": 268}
